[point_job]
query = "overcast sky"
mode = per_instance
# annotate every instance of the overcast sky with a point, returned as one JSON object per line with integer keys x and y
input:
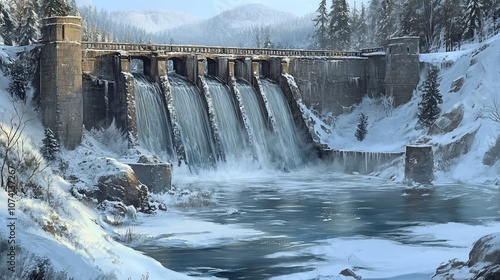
{"x": 203, "y": 8}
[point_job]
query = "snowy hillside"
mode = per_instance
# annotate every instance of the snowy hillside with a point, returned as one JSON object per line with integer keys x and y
{"x": 391, "y": 129}
{"x": 154, "y": 21}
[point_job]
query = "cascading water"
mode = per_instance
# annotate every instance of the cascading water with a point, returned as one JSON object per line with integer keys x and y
{"x": 193, "y": 122}
{"x": 288, "y": 141}
{"x": 229, "y": 129}
{"x": 255, "y": 122}
{"x": 153, "y": 128}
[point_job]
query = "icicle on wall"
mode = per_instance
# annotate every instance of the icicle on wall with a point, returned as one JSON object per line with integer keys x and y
{"x": 153, "y": 127}
{"x": 193, "y": 122}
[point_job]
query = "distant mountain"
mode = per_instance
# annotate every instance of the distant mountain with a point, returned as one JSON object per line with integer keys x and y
{"x": 235, "y": 27}
{"x": 153, "y": 21}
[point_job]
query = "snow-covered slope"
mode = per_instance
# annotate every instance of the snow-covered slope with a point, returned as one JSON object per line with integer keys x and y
{"x": 154, "y": 21}
{"x": 48, "y": 221}
{"x": 390, "y": 130}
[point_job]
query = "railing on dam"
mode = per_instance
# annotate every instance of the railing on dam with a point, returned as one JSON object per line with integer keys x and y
{"x": 217, "y": 50}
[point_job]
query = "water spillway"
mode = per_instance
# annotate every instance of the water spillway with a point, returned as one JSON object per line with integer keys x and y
{"x": 255, "y": 122}
{"x": 193, "y": 122}
{"x": 288, "y": 142}
{"x": 226, "y": 121}
{"x": 219, "y": 125}
{"x": 153, "y": 127}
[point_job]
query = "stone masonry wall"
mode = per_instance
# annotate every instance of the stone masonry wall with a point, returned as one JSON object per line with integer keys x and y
{"x": 330, "y": 85}
{"x": 61, "y": 80}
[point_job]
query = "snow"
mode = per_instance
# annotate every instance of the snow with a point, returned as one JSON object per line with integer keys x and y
{"x": 84, "y": 244}
{"x": 392, "y": 129}
{"x": 400, "y": 261}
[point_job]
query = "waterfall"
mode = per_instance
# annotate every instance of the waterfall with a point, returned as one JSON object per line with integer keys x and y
{"x": 288, "y": 142}
{"x": 255, "y": 122}
{"x": 230, "y": 132}
{"x": 153, "y": 128}
{"x": 193, "y": 122}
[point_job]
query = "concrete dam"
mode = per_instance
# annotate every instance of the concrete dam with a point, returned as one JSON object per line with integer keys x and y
{"x": 200, "y": 105}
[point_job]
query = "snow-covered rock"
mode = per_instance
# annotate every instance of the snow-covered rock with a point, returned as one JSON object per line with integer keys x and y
{"x": 483, "y": 263}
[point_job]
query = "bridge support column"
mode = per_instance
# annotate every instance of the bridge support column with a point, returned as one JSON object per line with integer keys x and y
{"x": 285, "y": 66}
{"x": 61, "y": 79}
{"x": 156, "y": 68}
{"x": 223, "y": 69}
{"x": 243, "y": 69}
{"x": 255, "y": 68}
{"x": 230, "y": 68}
{"x": 201, "y": 67}
{"x": 122, "y": 105}
{"x": 191, "y": 68}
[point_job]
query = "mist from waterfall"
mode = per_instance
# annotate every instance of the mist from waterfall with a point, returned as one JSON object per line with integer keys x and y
{"x": 153, "y": 127}
{"x": 193, "y": 121}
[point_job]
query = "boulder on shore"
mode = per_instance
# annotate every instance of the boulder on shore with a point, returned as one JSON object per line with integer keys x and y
{"x": 483, "y": 263}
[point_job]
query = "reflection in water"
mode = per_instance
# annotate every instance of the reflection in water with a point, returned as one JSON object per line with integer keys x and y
{"x": 297, "y": 212}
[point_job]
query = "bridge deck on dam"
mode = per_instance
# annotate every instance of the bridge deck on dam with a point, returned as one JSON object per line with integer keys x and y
{"x": 215, "y": 50}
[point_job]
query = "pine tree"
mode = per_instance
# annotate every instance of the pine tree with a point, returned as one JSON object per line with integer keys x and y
{"x": 50, "y": 145}
{"x": 428, "y": 108}
{"x": 473, "y": 18}
{"x": 321, "y": 24}
{"x": 410, "y": 19}
{"x": 6, "y": 25}
{"x": 373, "y": 20}
{"x": 340, "y": 26}
{"x": 28, "y": 25}
{"x": 19, "y": 80}
{"x": 362, "y": 28}
{"x": 52, "y": 8}
{"x": 451, "y": 23}
{"x": 385, "y": 25}
{"x": 268, "y": 44}
{"x": 361, "y": 130}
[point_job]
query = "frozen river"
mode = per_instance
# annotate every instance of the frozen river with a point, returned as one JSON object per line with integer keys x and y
{"x": 313, "y": 224}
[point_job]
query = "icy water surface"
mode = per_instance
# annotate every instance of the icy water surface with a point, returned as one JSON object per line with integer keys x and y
{"x": 300, "y": 211}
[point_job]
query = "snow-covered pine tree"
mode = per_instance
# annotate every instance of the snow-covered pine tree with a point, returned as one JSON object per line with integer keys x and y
{"x": 385, "y": 25}
{"x": 410, "y": 19}
{"x": 50, "y": 145}
{"x": 19, "y": 80}
{"x": 6, "y": 25}
{"x": 428, "y": 108}
{"x": 51, "y": 8}
{"x": 27, "y": 31}
{"x": 362, "y": 130}
{"x": 451, "y": 23}
{"x": 321, "y": 23}
{"x": 268, "y": 44}
{"x": 340, "y": 25}
{"x": 473, "y": 19}
{"x": 362, "y": 28}
{"x": 372, "y": 21}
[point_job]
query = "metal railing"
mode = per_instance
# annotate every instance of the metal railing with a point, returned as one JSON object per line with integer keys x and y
{"x": 216, "y": 50}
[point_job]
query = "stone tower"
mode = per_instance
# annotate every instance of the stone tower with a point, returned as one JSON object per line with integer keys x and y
{"x": 402, "y": 71}
{"x": 61, "y": 79}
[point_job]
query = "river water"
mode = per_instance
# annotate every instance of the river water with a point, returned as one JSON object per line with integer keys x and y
{"x": 307, "y": 217}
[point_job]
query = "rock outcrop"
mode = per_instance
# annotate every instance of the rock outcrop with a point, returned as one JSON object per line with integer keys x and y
{"x": 483, "y": 263}
{"x": 449, "y": 121}
{"x": 122, "y": 186}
